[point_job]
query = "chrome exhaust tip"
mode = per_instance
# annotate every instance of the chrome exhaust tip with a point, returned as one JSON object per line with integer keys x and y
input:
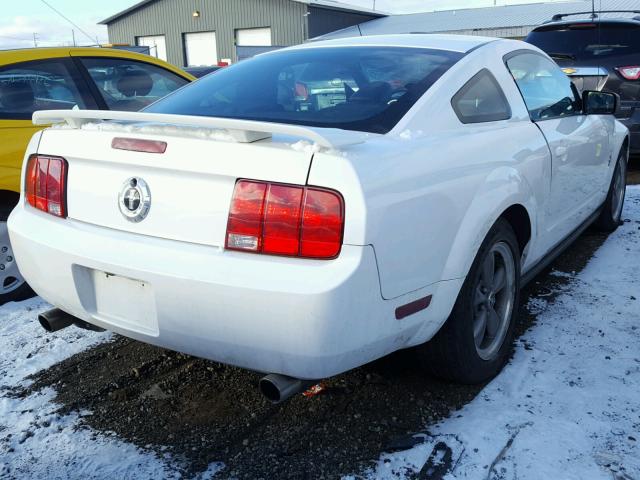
{"x": 55, "y": 319}
{"x": 278, "y": 388}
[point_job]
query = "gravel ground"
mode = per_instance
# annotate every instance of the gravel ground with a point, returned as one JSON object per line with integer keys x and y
{"x": 203, "y": 412}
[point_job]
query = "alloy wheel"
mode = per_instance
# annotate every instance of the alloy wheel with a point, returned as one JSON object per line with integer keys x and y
{"x": 10, "y": 277}
{"x": 619, "y": 187}
{"x": 494, "y": 300}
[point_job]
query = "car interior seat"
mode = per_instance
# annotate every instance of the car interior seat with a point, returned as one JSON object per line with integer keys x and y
{"x": 132, "y": 85}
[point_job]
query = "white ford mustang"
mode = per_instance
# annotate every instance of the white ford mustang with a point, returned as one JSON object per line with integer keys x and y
{"x": 316, "y": 208}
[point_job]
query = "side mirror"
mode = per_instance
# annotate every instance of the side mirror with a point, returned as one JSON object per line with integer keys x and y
{"x": 599, "y": 103}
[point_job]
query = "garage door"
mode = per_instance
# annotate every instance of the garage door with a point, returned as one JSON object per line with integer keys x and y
{"x": 201, "y": 49}
{"x": 157, "y": 45}
{"x": 253, "y": 37}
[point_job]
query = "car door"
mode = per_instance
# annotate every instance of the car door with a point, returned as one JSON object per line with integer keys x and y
{"x": 127, "y": 85}
{"x": 24, "y": 88}
{"x": 579, "y": 143}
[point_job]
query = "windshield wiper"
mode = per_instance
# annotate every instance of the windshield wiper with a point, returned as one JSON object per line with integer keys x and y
{"x": 562, "y": 56}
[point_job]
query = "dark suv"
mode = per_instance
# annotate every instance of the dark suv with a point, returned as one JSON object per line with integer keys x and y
{"x": 598, "y": 54}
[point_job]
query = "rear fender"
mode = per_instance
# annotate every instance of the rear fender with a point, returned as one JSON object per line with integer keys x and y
{"x": 503, "y": 188}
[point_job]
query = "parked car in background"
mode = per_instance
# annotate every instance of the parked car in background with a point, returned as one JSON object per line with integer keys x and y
{"x": 64, "y": 78}
{"x": 424, "y": 197}
{"x": 200, "y": 72}
{"x": 598, "y": 54}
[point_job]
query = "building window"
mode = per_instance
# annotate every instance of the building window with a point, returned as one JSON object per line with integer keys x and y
{"x": 200, "y": 49}
{"x": 253, "y": 37}
{"x": 157, "y": 45}
{"x": 253, "y": 41}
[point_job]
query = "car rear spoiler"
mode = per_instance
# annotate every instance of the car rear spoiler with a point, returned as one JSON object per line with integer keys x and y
{"x": 241, "y": 131}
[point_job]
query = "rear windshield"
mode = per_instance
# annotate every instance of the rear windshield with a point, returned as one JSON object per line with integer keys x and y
{"x": 367, "y": 89}
{"x": 584, "y": 41}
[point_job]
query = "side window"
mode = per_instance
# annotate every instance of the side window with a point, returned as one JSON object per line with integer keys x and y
{"x": 130, "y": 85}
{"x": 545, "y": 88}
{"x": 481, "y": 100}
{"x": 31, "y": 86}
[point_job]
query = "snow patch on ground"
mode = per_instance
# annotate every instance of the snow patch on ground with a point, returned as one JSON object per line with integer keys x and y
{"x": 36, "y": 441}
{"x": 568, "y": 406}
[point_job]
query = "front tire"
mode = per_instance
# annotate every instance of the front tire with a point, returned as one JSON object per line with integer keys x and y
{"x": 609, "y": 219}
{"x": 475, "y": 342}
{"x": 13, "y": 286}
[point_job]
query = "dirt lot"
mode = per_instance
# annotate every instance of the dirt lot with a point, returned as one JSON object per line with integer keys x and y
{"x": 205, "y": 412}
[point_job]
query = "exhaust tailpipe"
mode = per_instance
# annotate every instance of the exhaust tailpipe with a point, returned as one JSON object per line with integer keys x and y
{"x": 278, "y": 388}
{"x": 55, "y": 319}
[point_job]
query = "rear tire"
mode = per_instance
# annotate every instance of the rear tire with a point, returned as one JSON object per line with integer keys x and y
{"x": 13, "y": 286}
{"x": 609, "y": 219}
{"x": 476, "y": 340}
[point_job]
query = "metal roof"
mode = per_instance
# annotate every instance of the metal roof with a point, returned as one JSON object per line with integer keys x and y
{"x": 486, "y": 18}
{"x": 330, "y": 4}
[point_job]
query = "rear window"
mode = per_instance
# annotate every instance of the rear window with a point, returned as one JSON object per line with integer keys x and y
{"x": 585, "y": 41}
{"x": 353, "y": 88}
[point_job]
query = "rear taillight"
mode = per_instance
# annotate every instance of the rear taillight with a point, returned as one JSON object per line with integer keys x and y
{"x": 289, "y": 220}
{"x": 45, "y": 184}
{"x": 630, "y": 73}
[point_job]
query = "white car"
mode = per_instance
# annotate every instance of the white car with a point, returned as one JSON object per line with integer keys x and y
{"x": 316, "y": 208}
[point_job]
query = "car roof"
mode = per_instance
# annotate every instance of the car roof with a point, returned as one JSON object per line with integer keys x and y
{"x": 454, "y": 43}
{"x": 8, "y": 57}
{"x": 560, "y": 23}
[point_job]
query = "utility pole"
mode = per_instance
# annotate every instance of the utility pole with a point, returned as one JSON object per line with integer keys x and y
{"x": 35, "y": 39}
{"x": 374, "y": 5}
{"x": 73, "y": 35}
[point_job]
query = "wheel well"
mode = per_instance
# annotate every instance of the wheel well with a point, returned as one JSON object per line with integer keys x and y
{"x": 625, "y": 146}
{"x": 519, "y": 219}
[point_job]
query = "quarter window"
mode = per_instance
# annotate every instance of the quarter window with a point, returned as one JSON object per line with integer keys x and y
{"x": 481, "y": 100}
{"x": 28, "y": 87}
{"x": 130, "y": 85}
{"x": 545, "y": 88}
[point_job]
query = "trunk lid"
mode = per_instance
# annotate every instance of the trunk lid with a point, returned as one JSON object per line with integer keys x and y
{"x": 586, "y": 78}
{"x": 190, "y": 185}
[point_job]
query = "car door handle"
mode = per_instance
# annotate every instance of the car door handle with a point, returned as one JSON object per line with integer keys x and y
{"x": 561, "y": 151}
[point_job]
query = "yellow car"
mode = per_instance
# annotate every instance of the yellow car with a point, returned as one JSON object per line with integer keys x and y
{"x": 64, "y": 78}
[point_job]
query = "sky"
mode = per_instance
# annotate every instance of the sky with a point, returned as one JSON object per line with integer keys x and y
{"x": 21, "y": 19}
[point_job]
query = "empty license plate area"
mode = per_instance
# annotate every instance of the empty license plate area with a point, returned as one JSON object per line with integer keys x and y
{"x": 117, "y": 300}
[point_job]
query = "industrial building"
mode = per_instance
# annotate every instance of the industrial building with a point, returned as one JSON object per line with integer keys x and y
{"x": 507, "y": 21}
{"x": 205, "y": 32}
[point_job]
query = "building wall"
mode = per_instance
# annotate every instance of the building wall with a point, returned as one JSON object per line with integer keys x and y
{"x": 173, "y": 18}
{"x": 323, "y": 20}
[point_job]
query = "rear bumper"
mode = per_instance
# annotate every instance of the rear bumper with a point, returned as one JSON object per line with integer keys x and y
{"x": 307, "y": 319}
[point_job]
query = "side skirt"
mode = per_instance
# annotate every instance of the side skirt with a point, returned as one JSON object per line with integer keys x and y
{"x": 558, "y": 249}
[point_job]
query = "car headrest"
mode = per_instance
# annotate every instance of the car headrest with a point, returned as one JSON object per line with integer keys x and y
{"x": 135, "y": 83}
{"x": 17, "y": 96}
